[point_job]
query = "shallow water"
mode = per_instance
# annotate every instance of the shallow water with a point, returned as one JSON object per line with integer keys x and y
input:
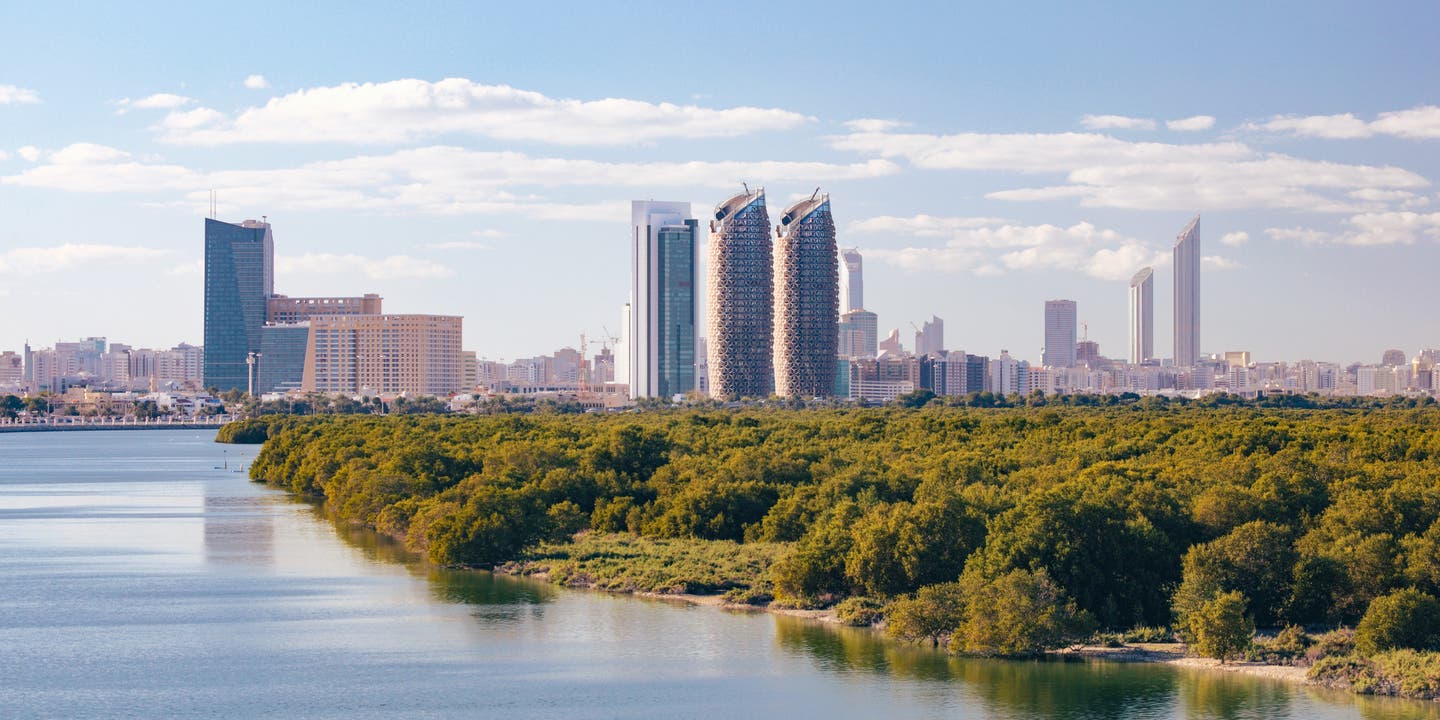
{"x": 142, "y": 575}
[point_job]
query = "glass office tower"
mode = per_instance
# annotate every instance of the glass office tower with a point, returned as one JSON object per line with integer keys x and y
{"x": 239, "y": 277}
{"x": 664, "y": 240}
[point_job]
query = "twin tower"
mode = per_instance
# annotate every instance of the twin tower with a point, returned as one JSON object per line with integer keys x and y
{"x": 773, "y": 305}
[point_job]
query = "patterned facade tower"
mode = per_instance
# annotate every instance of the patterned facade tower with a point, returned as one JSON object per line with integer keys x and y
{"x": 807, "y": 299}
{"x": 740, "y": 298}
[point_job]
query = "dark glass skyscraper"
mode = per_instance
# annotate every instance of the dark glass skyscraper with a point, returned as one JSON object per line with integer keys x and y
{"x": 239, "y": 276}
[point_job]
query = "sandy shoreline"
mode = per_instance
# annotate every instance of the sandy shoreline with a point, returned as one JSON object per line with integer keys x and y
{"x": 1166, "y": 653}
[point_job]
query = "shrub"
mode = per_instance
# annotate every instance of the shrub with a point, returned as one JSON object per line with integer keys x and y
{"x": 860, "y": 611}
{"x": 1144, "y": 634}
{"x": 1221, "y": 627}
{"x": 930, "y": 614}
{"x": 1286, "y": 648}
{"x": 1405, "y": 673}
{"x": 1018, "y": 613}
{"x": 1331, "y": 644}
{"x": 1404, "y": 619}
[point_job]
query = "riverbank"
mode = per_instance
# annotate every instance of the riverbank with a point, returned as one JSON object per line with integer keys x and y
{"x": 1175, "y": 654}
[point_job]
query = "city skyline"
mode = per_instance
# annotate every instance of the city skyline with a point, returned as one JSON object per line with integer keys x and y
{"x": 456, "y": 175}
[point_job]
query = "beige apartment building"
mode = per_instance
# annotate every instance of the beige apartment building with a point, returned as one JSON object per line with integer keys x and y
{"x": 389, "y": 354}
{"x": 285, "y": 310}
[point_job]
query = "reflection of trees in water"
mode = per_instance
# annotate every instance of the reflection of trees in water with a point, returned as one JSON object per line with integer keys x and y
{"x": 495, "y": 598}
{"x": 1045, "y": 689}
{"x": 1222, "y": 696}
{"x": 1377, "y": 708}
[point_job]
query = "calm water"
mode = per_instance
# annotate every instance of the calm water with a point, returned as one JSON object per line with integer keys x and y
{"x": 141, "y": 578}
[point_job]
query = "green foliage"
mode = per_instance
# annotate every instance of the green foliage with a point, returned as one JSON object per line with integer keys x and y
{"x": 1255, "y": 558}
{"x": 1018, "y": 613}
{"x": 625, "y": 563}
{"x": 1148, "y": 634}
{"x": 1124, "y": 503}
{"x": 1221, "y": 628}
{"x": 1402, "y": 673}
{"x": 860, "y": 611}
{"x": 931, "y": 614}
{"x": 1406, "y": 619}
{"x": 252, "y": 431}
{"x": 1288, "y": 647}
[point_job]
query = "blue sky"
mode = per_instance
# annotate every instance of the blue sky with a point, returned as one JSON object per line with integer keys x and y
{"x": 479, "y": 160}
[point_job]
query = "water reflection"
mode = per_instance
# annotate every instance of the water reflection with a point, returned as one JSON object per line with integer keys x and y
{"x": 1082, "y": 689}
{"x": 496, "y": 598}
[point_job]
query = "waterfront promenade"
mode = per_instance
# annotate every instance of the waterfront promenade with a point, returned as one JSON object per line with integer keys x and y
{"x": 50, "y": 424}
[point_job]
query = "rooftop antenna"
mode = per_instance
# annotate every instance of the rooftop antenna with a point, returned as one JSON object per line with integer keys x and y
{"x": 746, "y": 186}
{"x": 815, "y": 194}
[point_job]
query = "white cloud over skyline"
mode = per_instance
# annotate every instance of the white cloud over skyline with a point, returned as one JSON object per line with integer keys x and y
{"x": 256, "y": 82}
{"x": 403, "y": 111}
{"x": 383, "y": 268}
{"x": 1103, "y": 171}
{"x": 994, "y": 246}
{"x": 1418, "y": 123}
{"x": 71, "y": 255}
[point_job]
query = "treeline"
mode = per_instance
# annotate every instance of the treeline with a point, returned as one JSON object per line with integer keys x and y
{"x": 1118, "y": 516}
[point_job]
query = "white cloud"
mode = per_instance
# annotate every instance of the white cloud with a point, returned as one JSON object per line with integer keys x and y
{"x": 256, "y": 82}
{"x": 71, "y": 255}
{"x": 4, "y": 155}
{"x": 386, "y": 268}
{"x": 11, "y": 95}
{"x": 490, "y": 233}
{"x": 406, "y": 110}
{"x": 1191, "y": 124}
{"x": 1417, "y": 123}
{"x": 1217, "y": 262}
{"x": 30, "y": 153}
{"x": 158, "y": 101}
{"x": 874, "y": 125}
{"x": 1117, "y": 122}
{"x": 1235, "y": 239}
{"x": 458, "y": 245}
{"x": 1102, "y": 171}
{"x": 186, "y": 269}
{"x": 992, "y": 246}
{"x": 1369, "y": 229}
{"x": 431, "y": 180}
{"x": 184, "y": 121}
{"x": 1320, "y": 126}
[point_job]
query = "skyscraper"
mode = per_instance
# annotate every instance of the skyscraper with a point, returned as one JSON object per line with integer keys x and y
{"x": 930, "y": 337}
{"x": 1187, "y": 294}
{"x": 413, "y": 354}
{"x": 859, "y": 334}
{"x": 852, "y": 281}
{"x": 239, "y": 277}
{"x": 1142, "y": 316}
{"x": 1059, "y": 334}
{"x": 806, "y": 299}
{"x": 740, "y": 298}
{"x": 663, "y": 241}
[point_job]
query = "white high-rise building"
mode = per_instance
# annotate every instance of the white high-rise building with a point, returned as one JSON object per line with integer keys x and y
{"x": 1187, "y": 294}
{"x": 1142, "y": 316}
{"x": 1060, "y": 326}
{"x": 852, "y": 281}
{"x": 664, "y": 238}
